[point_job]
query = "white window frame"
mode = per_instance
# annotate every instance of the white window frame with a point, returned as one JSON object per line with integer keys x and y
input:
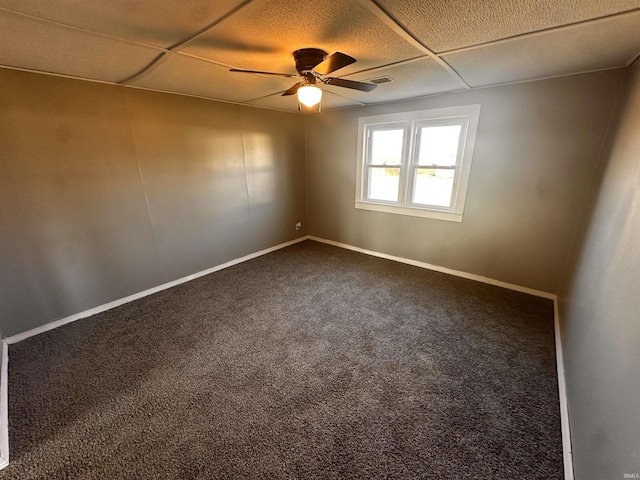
{"x": 467, "y": 116}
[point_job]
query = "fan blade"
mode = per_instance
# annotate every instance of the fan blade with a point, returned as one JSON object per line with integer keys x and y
{"x": 288, "y": 75}
{"x": 333, "y": 62}
{"x": 343, "y": 82}
{"x": 293, "y": 90}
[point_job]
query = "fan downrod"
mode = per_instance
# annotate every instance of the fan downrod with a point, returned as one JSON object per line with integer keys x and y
{"x": 307, "y": 58}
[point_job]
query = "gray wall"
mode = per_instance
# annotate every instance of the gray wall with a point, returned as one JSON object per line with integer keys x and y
{"x": 536, "y": 147}
{"x": 107, "y": 191}
{"x": 600, "y": 309}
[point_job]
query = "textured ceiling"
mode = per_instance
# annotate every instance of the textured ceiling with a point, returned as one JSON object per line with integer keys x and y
{"x": 582, "y": 48}
{"x": 263, "y": 35}
{"x": 193, "y": 76}
{"x": 159, "y": 22}
{"x": 425, "y": 46}
{"x": 48, "y": 47}
{"x": 447, "y": 25}
{"x": 412, "y": 79}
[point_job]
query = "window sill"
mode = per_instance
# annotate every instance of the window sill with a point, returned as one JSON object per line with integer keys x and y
{"x": 414, "y": 212}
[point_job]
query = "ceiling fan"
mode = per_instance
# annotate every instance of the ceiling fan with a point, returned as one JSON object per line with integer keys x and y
{"x": 314, "y": 65}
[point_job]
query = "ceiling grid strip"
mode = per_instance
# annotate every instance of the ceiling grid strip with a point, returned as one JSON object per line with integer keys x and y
{"x": 633, "y": 60}
{"x": 388, "y": 65}
{"x": 372, "y": 5}
{"x": 177, "y": 46}
{"x": 84, "y": 30}
{"x": 536, "y": 33}
{"x": 402, "y": 31}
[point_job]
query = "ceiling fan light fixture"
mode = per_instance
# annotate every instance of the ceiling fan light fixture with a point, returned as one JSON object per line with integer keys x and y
{"x": 313, "y": 65}
{"x": 309, "y": 95}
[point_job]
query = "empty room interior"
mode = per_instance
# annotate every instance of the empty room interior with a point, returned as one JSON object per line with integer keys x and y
{"x": 347, "y": 239}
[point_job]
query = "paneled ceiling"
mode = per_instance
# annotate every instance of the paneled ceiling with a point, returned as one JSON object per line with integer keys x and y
{"x": 425, "y": 46}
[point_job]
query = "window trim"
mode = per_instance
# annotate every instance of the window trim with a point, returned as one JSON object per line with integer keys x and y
{"x": 406, "y": 127}
{"x": 412, "y": 121}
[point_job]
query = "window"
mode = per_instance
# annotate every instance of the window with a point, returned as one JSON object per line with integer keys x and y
{"x": 417, "y": 163}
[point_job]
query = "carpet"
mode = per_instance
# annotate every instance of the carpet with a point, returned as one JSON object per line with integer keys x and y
{"x": 309, "y": 362}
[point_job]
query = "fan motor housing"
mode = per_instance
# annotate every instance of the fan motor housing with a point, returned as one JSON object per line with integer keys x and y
{"x": 307, "y": 58}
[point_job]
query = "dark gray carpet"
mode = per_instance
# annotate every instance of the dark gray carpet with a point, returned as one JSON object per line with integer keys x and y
{"x": 310, "y": 362}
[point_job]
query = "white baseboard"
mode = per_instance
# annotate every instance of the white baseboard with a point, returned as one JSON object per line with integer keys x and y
{"x": 437, "y": 268}
{"x": 4, "y": 405}
{"x": 564, "y": 412}
{"x": 562, "y": 390}
{"x": 567, "y": 451}
{"x": 108, "y": 306}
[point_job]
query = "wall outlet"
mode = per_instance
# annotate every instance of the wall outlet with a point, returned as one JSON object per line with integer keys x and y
{"x": 298, "y": 225}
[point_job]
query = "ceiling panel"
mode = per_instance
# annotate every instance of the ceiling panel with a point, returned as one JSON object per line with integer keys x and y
{"x": 443, "y": 26}
{"x": 161, "y": 22}
{"x": 610, "y": 42}
{"x": 263, "y": 35}
{"x": 415, "y": 79}
{"x": 290, "y": 103}
{"x": 184, "y": 74}
{"x": 48, "y": 47}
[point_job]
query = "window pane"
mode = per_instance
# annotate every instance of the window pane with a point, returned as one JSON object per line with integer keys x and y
{"x": 384, "y": 183}
{"x": 433, "y": 186}
{"x": 439, "y": 145}
{"x": 386, "y": 147}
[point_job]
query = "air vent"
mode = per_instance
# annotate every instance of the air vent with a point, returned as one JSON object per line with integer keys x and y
{"x": 380, "y": 80}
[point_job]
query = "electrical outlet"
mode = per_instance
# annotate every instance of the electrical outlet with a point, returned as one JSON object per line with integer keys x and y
{"x": 298, "y": 225}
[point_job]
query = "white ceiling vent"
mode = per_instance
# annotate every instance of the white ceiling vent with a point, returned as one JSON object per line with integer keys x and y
{"x": 380, "y": 80}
